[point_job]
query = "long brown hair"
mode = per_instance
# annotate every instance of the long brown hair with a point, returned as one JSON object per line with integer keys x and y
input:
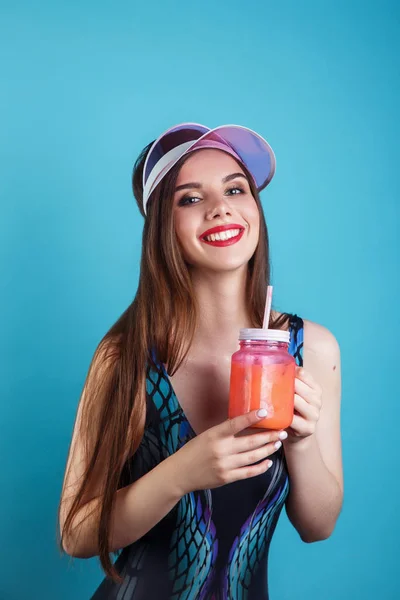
{"x": 162, "y": 316}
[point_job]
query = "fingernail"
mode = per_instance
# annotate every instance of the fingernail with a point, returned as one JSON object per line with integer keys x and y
{"x": 262, "y": 412}
{"x": 283, "y": 435}
{"x": 278, "y": 445}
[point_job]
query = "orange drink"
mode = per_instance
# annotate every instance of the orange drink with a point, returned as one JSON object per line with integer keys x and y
{"x": 262, "y": 376}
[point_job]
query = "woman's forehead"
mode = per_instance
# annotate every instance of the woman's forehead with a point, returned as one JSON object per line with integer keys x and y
{"x": 208, "y": 164}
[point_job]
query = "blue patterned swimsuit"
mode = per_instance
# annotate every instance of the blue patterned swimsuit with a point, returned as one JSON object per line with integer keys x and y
{"x": 214, "y": 544}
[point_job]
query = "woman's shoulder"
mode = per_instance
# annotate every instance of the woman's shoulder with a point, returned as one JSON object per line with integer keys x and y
{"x": 319, "y": 339}
{"x": 321, "y": 354}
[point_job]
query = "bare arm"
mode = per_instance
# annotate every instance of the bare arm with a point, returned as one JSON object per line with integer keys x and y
{"x": 315, "y": 498}
{"x": 138, "y": 507}
{"x": 315, "y": 463}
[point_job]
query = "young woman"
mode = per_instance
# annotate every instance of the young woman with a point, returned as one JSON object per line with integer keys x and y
{"x": 156, "y": 472}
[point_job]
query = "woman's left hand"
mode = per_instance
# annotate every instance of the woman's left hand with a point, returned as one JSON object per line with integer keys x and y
{"x": 307, "y": 407}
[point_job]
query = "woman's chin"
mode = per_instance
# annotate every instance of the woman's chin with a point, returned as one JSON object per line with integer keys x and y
{"x": 222, "y": 265}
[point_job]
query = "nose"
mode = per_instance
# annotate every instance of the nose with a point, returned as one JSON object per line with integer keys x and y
{"x": 218, "y": 208}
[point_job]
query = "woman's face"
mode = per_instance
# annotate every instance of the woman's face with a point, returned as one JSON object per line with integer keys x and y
{"x": 216, "y": 192}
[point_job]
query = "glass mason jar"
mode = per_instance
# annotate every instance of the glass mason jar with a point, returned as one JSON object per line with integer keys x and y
{"x": 262, "y": 376}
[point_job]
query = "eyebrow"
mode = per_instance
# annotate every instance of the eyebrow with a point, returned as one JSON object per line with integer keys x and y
{"x": 199, "y": 186}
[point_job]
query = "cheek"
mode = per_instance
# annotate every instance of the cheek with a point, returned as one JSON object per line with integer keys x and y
{"x": 178, "y": 225}
{"x": 184, "y": 231}
{"x": 254, "y": 236}
{"x": 253, "y": 218}
{"x": 256, "y": 220}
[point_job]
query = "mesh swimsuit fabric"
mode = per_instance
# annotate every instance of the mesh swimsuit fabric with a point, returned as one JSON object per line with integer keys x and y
{"x": 214, "y": 544}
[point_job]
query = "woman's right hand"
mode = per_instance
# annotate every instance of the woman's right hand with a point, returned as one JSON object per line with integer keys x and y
{"x": 219, "y": 455}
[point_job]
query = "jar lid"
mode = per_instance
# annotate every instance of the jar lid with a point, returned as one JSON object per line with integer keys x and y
{"x": 271, "y": 335}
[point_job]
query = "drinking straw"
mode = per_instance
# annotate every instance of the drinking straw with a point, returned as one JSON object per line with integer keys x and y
{"x": 268, "y": 303}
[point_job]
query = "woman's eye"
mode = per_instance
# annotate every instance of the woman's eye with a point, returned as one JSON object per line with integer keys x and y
{"x": 185, "y": 200}
{"x": 235, "y": 188}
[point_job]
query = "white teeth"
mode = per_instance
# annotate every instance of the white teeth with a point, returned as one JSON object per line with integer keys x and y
{"x": 223, "y": 235}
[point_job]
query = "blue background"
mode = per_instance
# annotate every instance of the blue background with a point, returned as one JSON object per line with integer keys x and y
{"x": 84, "y": 86}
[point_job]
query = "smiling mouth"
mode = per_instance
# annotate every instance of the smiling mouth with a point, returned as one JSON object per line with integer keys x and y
{"x": 224, "y": 238}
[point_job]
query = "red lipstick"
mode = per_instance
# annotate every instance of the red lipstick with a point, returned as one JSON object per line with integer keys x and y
{"x": 219, "y": 228}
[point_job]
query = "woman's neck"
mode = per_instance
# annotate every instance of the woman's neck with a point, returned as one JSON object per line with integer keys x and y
{"x": 221, "y": 298}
